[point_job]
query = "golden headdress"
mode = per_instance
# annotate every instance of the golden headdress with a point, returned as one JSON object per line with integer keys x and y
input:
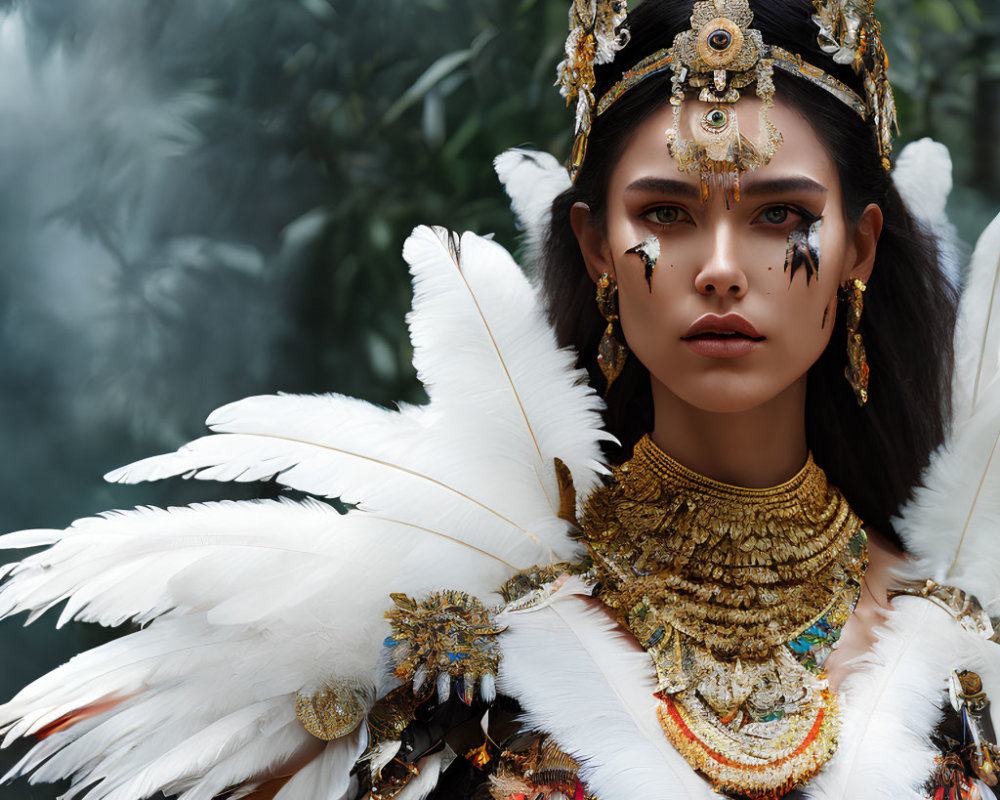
{"x": 717, "y": 58}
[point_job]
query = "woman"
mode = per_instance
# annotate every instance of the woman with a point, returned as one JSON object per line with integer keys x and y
{"x": 692, "y": 631}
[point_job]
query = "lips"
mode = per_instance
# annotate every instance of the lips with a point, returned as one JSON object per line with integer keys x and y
{"x": 729, "y": 336}
{"x": 729, "y": 325}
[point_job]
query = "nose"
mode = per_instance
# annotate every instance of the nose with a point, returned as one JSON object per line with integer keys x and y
{"x": 720, "y": 272}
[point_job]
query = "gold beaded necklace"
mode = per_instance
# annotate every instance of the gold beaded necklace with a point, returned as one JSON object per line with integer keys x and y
{"x": 737, "y": 595}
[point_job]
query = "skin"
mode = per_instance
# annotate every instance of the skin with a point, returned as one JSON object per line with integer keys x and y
{"x": 739, "y": 419}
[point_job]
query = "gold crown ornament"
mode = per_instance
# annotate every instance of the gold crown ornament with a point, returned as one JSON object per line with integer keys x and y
{"x": 596, "y": 33}
{"x": 720, "y": 56}
{"x": 850, "y": 33}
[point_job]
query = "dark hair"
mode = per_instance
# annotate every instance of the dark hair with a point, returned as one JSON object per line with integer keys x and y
{"x": 874, "y": 454}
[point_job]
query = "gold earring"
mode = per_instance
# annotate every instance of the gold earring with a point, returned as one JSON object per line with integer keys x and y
{"x": 611, "y": 353}
{"x": 857, "y": 362}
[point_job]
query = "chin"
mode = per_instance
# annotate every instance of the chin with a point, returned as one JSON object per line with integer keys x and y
{"x": 726, "y": 403}
{"x": 734, "y": 394}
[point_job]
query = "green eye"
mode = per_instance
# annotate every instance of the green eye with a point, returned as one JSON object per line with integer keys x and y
{"x": 665, "y": 215}
{"x": 776, "y": 215}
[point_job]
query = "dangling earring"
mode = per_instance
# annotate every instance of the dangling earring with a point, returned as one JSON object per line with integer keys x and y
{"x": 857, "y": 362}
{"x": 611, "y": 353}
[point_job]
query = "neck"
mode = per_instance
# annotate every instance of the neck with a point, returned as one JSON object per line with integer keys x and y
{"x": 759, "y": 447}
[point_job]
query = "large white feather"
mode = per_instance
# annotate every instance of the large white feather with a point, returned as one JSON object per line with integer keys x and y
{"x": 505, "y": 402}
{"x": 248, "y": 603}
{"x": 951, "y": 522}
{"x": 164, "y": 562}
{"x": 977, "y": 338}
{"x": 891, "y": 703}
{"x": 327, "y": 777}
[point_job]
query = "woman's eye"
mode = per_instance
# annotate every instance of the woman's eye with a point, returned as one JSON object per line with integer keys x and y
{"x": 667, "y": 215}
{"x": 776, "y": 215}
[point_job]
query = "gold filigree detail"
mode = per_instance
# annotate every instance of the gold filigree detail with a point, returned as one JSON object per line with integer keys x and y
{"x": 530, "y": 581}
{"x": 596, "y": 33}
{"x": 965, "y": 690}
{"x": 964, "y": 607}
{"x": 717, "y": 58}
{"x": 391, "y": 715}
{"x": 724, "y": 586}
{"x": 449, "y": 635}
{"x": 335, "y": 710}
{"x": 850, "y": 34}
{"x": 532, "y": 766}
{"x": 758, "y": 761}
{"x": 721, "y": 55}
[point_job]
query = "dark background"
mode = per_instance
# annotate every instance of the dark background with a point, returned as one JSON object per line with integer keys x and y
{"x": 205, "y": 200}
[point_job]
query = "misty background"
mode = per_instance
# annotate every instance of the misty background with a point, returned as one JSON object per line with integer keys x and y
{"x": 206, "y": 199}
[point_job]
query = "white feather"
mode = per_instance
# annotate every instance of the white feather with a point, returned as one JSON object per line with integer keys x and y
{"x": 922, "y": 175}
{"x": 584, "y": 682}
{"x": 221, "y": 557}
{"x": 533, "y": 179}
{"x": 891, "y": 703}
{"x": 425, "y": 781}
{"x": 328, "y": 776}
{"x": 505, "y": 402}
{"x": 950, "y": 524}
{"x": 245, "y": 604}
{"x": 482, "y": 345}
{"x": 977, "y": 337}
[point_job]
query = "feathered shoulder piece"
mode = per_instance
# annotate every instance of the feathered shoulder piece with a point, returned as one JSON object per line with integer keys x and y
{"x": 263, "y": 618}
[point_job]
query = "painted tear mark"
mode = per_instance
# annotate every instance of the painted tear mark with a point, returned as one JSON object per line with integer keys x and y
{"x": 649, "y": 251}
{"x": 803, "y": 248}
{"x": 826, "y": 314}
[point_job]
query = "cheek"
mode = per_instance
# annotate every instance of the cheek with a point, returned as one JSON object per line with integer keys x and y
{"x": 805, "y": 315}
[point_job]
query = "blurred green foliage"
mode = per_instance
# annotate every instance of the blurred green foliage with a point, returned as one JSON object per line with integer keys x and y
{"x": 216, "y": 207}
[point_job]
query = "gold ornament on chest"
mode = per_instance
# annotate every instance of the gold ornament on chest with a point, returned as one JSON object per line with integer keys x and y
{"x": 738, "y": 595}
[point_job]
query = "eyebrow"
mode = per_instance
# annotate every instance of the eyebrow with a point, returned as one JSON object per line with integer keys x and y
{"x": 750, "y": 187}
{"x": 664, "y": 186}
{"x": 782, "y": 186}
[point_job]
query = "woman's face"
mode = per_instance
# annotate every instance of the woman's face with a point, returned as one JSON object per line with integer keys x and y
{"x": 721, "y": 324}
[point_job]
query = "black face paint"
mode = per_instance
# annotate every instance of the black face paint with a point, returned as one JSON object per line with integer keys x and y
{"x": 826, "y": 313}
{"x": 803, "y": 248}
{"x": 649, "y": 251}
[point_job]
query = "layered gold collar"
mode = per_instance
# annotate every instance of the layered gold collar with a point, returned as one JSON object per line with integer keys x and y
{"x": 738, "y": 595}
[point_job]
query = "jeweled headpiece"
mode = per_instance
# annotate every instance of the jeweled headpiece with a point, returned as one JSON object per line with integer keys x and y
{"x": 718, "y": 57}
{"x": 596, "y": 33}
